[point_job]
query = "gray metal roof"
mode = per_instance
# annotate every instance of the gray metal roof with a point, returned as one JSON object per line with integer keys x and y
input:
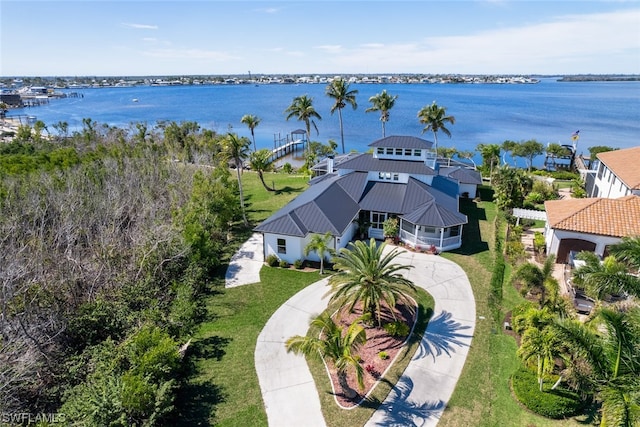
{"x": 323, "y": 207}
{"x": 402, "y": 141}
{"x": 462, "y": 175}
{"x": 365, "y": 163}
{"x": 434, "y": 215}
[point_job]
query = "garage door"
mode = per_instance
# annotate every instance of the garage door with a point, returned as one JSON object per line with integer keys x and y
{"x": 567, "y": 245}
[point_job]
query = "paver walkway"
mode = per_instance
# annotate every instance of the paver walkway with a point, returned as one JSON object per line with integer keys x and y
{"x": 422, "y": 393}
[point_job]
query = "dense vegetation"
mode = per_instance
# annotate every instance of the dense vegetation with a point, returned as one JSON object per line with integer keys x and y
{"x": 107, "y": 246}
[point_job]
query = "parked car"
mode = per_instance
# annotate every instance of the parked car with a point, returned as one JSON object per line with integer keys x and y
{"x": 582, "y": 303}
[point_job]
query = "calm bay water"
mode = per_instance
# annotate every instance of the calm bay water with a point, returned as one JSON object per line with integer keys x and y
{"x": 606, "y": 113}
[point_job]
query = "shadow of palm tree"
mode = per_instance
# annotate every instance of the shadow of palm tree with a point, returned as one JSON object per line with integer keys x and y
{"x": 442, "y": 335}
{"x": 401, "y": 411}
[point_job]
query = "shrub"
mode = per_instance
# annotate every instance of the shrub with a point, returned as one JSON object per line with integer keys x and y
{"x": 391, "y": 227}
{"x": 383, "y": 355}
{"x": 558, "y": 403}
{"x": 272, "y": 260}
{"x": 397, "y": 329}
{"x": 298, "y": 264}
{"x": 283, "y": 264}
{"x": 287, "y": 168}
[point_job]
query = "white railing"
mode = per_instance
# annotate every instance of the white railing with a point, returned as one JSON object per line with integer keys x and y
{"x": 424, "y": 241}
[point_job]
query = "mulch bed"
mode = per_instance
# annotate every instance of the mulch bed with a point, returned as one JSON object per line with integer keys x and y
{"x": 377, "y": 340}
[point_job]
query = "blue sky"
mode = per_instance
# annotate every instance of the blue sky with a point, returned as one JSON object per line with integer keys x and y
{"x": 129, "y": 38}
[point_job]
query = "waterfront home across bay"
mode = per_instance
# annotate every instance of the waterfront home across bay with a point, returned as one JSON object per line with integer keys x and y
{"x": 357, "y": 193}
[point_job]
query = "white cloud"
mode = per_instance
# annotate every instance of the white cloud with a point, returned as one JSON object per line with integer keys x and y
{"x": 598, "y": 43}
{"x": 140, "y": 26}
{"x": 334, "y": 48}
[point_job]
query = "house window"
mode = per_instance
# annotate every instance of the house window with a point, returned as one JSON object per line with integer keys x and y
{"x": 380, "y": 150}
{"x": 408, "y": 227}
{"x": 600, "y": 171}
{"x": 398, "y": 151}
{"x": 377, "y": 219}
{"x": 380, "y": 175}
{"x": 417, "y": 152}
{"x": 396, "y": 177}
{"x": 282, "y": 246}
{"x": 407, "y": 151}
{"x": 454, "y": 231}
{"x": 390, "y": 151}
{"x": 429, "y": 230}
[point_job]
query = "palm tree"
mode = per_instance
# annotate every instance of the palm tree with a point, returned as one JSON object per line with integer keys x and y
{"x": 237, "y": 148}
{"x": 382, "y": 102}
{"x": 609, "y": 345}
{"x": 252, "y": 122}
{"x": 302, "y": 108}
{"x": 628, "y": 250}
{"x": 434, "y": 118}
{"x": 490, "y": 155}
{"x": 338, "y": 90}
{"x": 367, "y": 276}
{"x": 539, "y": 280}
{"x": 320, "y": 245}
{"x": 604, "y": 278}
{"x": 542, "y": 345}
{"x": 260, "y": 161}
{"x": 336, "y": 345}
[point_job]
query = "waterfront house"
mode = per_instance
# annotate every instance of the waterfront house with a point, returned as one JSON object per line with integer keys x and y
{"x": 591, "y": 224}
{"x": 353, "y": 199}
{"x": 615, "y": 174}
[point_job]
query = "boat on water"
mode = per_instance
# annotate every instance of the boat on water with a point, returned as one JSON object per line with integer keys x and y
{"x": 135, "y": 99}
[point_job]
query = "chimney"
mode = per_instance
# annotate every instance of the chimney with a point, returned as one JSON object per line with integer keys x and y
{"x": 330, "y": 164}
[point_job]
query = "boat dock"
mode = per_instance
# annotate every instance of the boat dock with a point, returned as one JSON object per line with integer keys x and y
{"x": 290, "y": 144}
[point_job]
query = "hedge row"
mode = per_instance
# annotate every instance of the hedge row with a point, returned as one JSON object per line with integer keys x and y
{"x": 556, "y": 404}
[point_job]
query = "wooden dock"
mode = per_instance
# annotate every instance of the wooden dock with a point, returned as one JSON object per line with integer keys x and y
{"x": 289, "y": 147}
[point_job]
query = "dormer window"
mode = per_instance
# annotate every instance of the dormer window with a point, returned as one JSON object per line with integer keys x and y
{"x": 380, "y": 150}
{"x": 417, "y": 152}
{"x": 390, "y": 151}
{"x": 398, "y": 151}
{"x": 407, "y": 151}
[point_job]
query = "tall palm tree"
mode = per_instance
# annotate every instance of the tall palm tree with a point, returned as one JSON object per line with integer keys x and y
{"x": 320, "y": 245}
{"x": 335, "y": 344}
{"x": 367, "y": 276}
{"x": 604, "y": 278}
{"x": 382, "y": 102}
{"x": 260, "y": 161}
{"x": 252, "y": 122}
{"x": 338, "y": 90}
{"x": 237, "y": 149}
{"x": 434, "y": 119}
{"x": 609, "y": 345}
{"x": 302, "y": 108}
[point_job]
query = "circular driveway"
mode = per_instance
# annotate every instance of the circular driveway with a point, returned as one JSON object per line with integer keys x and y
{"x": 420, "y": 396}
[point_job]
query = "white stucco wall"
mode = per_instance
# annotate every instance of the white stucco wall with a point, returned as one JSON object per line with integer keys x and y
{"x": 296, "y": 245}
{"x": 553, "y": 238}
{"x": 467, "y": 188}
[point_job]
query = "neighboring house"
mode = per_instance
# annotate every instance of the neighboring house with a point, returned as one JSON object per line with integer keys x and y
{"x": 397, "y": 180}
{"x": 615, "y": 174}
{"x": 589, "y": 224}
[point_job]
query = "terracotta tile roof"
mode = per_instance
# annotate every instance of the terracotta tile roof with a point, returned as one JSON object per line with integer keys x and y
{"x": 624, "y": 163}
{"x": 608, "y": 217}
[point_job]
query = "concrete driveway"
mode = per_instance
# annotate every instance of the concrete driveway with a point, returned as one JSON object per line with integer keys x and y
{"x": 421, "y": 395}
